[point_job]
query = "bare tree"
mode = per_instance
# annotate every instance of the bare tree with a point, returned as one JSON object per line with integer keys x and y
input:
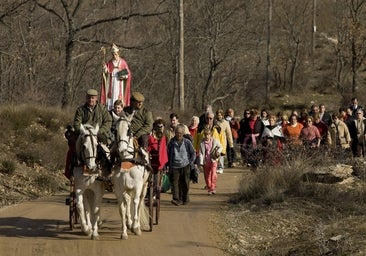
{"x": 356, "y": 39}
{"x": 294, "y": 24}
{"x": 216, "y": 45}
{"x": 69, "y": 15}
{"x": 49, "y": 52}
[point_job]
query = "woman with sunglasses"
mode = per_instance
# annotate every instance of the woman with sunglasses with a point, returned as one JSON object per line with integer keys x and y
{"x": 250, "y": 133}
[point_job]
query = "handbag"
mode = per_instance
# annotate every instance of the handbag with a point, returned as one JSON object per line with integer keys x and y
{"x": 165, "y": 183}
{"x": 193, "y": 176}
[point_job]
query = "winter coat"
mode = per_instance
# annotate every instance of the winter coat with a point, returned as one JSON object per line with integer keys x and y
{"x": 202, "y": 152}
{"x": 340, "y": 135}
{"x": 98, "y": 115}
{"x": 142, "y": 121}
{"x": 226, "y": 132}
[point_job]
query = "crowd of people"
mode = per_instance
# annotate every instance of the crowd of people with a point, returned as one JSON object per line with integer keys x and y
{"x": 263, "y": 136}
{"x": 213, "y": 137}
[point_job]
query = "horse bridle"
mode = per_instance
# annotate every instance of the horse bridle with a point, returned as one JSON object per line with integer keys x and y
{"x": 129, "y": 136}
{"x": 93, "y": 139}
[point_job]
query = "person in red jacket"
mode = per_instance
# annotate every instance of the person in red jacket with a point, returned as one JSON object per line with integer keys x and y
{"x": 323, "y": 129}
{"x": 157, "y": 148}
{"x": 157, "y": 143}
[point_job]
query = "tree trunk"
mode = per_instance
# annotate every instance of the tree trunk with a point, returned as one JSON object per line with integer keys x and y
{"x": 354, "y": 67}
{"x": 67, "y": 87}
{"x": 294, "y": 67}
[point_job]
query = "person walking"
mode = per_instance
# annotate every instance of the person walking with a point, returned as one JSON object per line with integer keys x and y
{"x": 181, "y": 157}
{"x": 250, "y": 133}
{"x": 324, "y": 115}
{"x": 174, "y": 122}
{"x": 157, "y": 147}
{"x": 354, "y": 107}
{"x": 210, "y": 151}
{"x": 227, "y": 138}
{"x": 273, "y": 142}
{"x": 234, "y": 126}
{"x": 323, "y": 130}
{"x": 357, "y": 131}
{"x": 310, "y": 134}
{"x": 193, "y": 126}
{"x": 215, "y": 132}
{"x": 264, "y": 117}
{"x": 292, "y": 132}
{"x": 339, "y": 133}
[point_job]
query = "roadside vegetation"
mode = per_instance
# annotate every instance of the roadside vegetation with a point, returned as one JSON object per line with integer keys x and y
{"x": 287, "y": 210}
{"x": 33, "y": 152}
{"x": 278, "y": 210}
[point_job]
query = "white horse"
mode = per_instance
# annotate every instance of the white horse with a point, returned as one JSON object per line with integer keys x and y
{"x": 129, "y": 181}
{"x": 88, "y": 190}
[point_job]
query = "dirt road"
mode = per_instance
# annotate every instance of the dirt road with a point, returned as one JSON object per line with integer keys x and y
{"x": 40, "y": 227}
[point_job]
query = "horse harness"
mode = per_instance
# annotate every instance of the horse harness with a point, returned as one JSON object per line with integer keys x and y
{"x": 134, "y": 150}
{"x": 97, "y": 152}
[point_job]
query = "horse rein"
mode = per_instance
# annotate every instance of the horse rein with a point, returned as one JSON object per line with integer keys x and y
{"x": 129, "y": 135}
{"x": 93, "y": 141}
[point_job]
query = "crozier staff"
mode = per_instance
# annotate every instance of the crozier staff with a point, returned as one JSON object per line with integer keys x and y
{"x": 116, "y": 84}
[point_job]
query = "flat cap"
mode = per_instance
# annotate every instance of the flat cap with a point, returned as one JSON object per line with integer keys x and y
{"x": 137, "y": 96}
{"x": 92, "y": 92}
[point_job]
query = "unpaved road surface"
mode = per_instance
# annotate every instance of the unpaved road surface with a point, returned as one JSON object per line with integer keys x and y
{"x": 41, "y": 227}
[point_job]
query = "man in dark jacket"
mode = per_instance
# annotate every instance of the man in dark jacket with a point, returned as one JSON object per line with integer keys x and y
{"x": 324, "y": 115}
{"x": 357, "y": 130}
{"x": 94, "y": 113}
{"x": 181, "y": 157}
{"x": 141, "y": 124}
{"x": 91, "y": 113}
{"x": 142, "y": 121}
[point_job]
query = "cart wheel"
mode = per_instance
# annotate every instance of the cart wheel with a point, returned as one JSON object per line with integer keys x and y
{"x": 151, "y": 203}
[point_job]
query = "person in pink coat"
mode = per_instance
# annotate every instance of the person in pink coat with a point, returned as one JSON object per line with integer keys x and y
{"x": 210, "y": 151}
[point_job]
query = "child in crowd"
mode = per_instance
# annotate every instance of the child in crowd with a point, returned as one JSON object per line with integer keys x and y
{"x": 210, "y": 149}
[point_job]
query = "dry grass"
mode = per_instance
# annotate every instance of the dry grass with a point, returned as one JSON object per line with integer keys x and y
{"x": 33, "y": 152}
{"x": 279, "y": 211}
